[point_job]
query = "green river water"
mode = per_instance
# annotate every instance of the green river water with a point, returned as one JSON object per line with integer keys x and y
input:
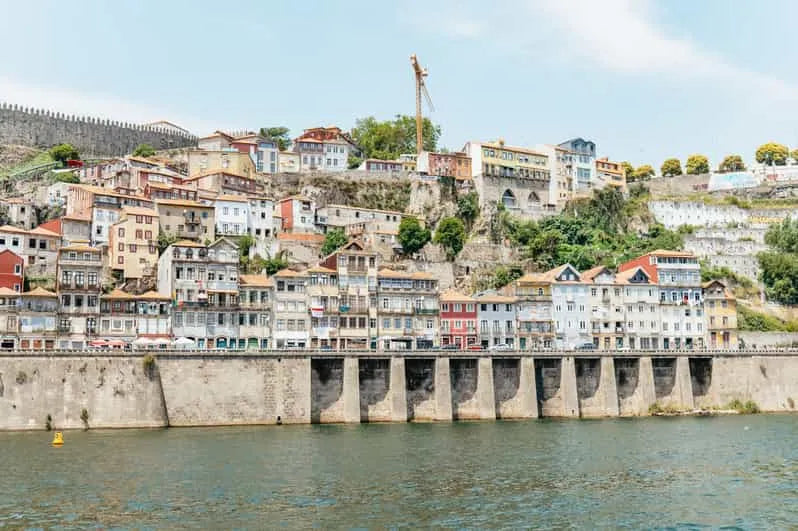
{"x": 734, "y": 472}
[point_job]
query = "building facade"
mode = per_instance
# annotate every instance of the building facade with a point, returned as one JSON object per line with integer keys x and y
{"x": 79, "y": 270}
{"x": 458, "y": 320}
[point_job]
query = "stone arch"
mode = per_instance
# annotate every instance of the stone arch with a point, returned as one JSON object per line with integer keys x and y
{"x": 508, "y": 199}
{"x": 533, "y": 197}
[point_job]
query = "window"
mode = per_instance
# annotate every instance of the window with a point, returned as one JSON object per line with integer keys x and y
{"x": 66, "y": 300}
{"x": 17, "y": 269}
{"x": 120, "y": 260}
{"x": 121, "y": 232}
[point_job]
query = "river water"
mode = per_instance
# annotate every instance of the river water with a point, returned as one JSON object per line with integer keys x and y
{"x": 738, "y": 471}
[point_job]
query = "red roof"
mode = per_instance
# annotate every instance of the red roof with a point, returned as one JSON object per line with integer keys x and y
{"x": 54, "y": 225}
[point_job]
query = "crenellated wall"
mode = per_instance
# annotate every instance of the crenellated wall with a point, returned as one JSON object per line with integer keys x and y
{"x": 205, "y": 389}
{"x": 92, "y": 136}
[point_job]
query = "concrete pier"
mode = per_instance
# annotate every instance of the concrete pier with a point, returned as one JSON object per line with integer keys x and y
{"x": 443, "y": 390}
{"x": 398, "y": 390}
{"x": 570, "y": 395}
{"x": 219, "y": 388}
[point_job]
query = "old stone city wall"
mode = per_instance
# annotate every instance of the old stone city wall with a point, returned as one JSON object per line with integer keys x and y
{"x": 205, "y": 389}
{"x": 91, "y": 136}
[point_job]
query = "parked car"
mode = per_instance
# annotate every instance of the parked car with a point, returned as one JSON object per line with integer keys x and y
{"x": 500, "y": 347}
{"x": 585, "y": 346}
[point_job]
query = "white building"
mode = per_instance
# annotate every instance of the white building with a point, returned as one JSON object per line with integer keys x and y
{"x": 57, "y": 194}
{"x": 560, "y": 165}
{"x": 263, "y": 226}
{"x": 232, "y": 215}
{"x": 583, "y": 153}
{"x": 571, "y": 301}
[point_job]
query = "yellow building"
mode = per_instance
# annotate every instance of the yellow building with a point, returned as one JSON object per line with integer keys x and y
{"x": 203, "y": 161}
{"x": 186, "y": 220}
{"x": 720, "y": 308}
{"x": 498, "y": 159}
{"x": 534, "y": 310}
{"x": 611, "y": 173}
{"x": 133, "y": 245}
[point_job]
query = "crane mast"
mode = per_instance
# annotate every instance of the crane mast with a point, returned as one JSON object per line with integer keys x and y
{"x": 420, "y": 74}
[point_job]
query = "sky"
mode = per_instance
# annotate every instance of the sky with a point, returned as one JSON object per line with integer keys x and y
{"x": 644, "y": 79}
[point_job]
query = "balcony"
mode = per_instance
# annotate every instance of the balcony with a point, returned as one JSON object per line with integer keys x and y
{"x": 93, "y": 286}
{"x": 222, "y": 285}
{"x": 427, "y": 311}
{"x": 405, "y": 310}
{"x": 345, "y": 308}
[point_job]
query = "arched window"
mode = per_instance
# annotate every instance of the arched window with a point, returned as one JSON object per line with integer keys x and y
{"x": 508, "y": 199}
{"x": 533, "y": 197}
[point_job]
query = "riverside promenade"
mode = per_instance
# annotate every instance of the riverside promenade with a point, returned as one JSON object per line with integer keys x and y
{"x": 109, "y": 389}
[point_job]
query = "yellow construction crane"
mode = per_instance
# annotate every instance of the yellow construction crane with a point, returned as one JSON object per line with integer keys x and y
{"x": 421, "y": 87}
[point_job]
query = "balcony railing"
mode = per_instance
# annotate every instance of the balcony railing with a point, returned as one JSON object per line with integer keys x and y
{"x": 357, "y": 308}
{"x": 426, "y": 311}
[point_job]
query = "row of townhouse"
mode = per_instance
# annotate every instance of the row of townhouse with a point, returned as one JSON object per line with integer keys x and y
{"x": 344, "y": 302}
{"x": 349, "y": 302}
{"x": 654, "y": 302}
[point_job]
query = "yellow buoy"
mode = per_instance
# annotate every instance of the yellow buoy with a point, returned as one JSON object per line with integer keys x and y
{"x": 58, "y": 439}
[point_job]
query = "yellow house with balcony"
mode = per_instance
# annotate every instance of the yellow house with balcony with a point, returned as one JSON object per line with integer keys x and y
{"x": 535, "y": 326}
{"x": 720, "y": 308}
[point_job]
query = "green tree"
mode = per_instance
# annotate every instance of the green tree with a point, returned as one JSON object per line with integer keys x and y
{"x": 628, "y": 170}
{"x": 731, "y": 163}
{"x": 164, "y": 241}
{"x": 390, "y": 138}
{"x": 794, "y": 156}
{"x": 697, "y": 164}
{"x": 468, "y": 207}
{"x": 644, "y": 173}
{"x": 144, "y": 150}
{"x": 278, "y": 134}
{"x": 451, "y": 235}
{"x": 671, "y": 168}
{"x": 772, "y": 154}
{"x": 353, "y": 162}
{"x": 333, "y": 240}
{"x": 67, "y": 177}
{"x": 272, "y": 264}
{"x": 245, "y": 242}
{"x": 64, "y": 152}
{"x": 412, "y": 236}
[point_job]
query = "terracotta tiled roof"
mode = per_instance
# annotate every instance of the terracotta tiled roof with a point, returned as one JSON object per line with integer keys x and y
{"x": 39, "y": 291}
{"x": 139, "y": 211}
{"x": 118, "y": 294}
{"x": 181, "y": 202}
{"x": 300, "y": 237}
{"x": 80, "y": 247}
{"x": 592, "y": 273}
{"x": 622, "y": 277}
{"x": 259, "y": 281}
{"x": 187, "y": 243}
{"x": 153, "y": 295}
{"x": 321, "y": 269}
{"x": 230, "y": 197}
{"x": 290, "y": 273}
{"x": 12, "y": 229}
{"x": 451, "y": 295}
{"x": 54, "y": 226}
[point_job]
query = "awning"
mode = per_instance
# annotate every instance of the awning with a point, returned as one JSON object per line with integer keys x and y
{"x": 143, "y": 341}
{"x": 184, "y": 341}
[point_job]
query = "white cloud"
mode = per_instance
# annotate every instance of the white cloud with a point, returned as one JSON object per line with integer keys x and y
{"x": 94, "y": 105}
{"x": 616, "y": 35}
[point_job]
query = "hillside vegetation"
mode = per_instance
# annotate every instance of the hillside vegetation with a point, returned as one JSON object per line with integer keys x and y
{"x": 604, "y": 230}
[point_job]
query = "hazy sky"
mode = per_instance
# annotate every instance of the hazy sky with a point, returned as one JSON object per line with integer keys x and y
{"x": 645, "y": 80}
